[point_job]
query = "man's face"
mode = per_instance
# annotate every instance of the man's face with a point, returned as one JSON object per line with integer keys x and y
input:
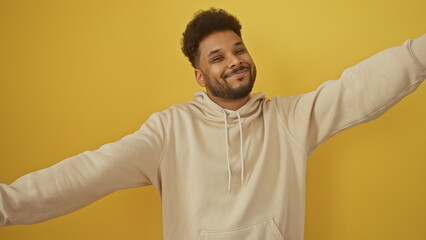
{"x": 225, "y": 67}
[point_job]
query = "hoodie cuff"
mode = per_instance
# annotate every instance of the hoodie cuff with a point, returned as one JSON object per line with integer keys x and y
{"x": 418, "y": 48}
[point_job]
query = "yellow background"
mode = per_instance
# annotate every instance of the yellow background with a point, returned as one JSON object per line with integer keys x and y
{"x": 77, "y": 74}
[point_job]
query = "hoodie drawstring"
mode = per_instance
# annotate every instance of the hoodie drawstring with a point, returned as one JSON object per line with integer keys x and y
{"x": 227, "y": 149}
{"x": 241, "y": 148}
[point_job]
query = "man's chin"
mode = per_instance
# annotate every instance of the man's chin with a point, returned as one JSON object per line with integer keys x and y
{"x": 236, "y": 88}
{"x": 241, "y": 91}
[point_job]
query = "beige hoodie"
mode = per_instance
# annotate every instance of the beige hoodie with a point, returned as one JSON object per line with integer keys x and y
{"x": 220, "y": 176}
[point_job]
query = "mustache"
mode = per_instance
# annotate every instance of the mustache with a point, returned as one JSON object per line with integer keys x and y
{"x": 240, "y": 68}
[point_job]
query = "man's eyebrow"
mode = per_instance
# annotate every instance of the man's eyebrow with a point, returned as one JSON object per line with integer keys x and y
{"x": 213, "y": 52}
{"x": 217, "y": 50}
{"x": 238, "y": 43}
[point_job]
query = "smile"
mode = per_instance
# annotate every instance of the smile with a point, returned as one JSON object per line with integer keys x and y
{"x": 238, "y": 74}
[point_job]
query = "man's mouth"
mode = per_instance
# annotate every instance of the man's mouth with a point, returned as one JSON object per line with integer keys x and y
{"x": 241, "y": 72}
{"x": 238, "y": 74}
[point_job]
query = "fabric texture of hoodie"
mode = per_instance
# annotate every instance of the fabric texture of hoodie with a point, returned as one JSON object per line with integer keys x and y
{"x": 219, "y": 175}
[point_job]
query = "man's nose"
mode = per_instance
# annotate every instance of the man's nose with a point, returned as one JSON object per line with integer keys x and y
{"x": 234, "y": 61}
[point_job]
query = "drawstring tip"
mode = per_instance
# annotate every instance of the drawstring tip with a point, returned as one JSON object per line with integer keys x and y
{"x": 242, "y": 179}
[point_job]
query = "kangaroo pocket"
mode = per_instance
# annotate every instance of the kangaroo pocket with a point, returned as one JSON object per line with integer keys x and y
{"x": 262, "y": 230}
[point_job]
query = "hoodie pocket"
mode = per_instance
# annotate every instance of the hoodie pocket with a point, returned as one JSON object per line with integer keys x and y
{"x": 263, "y": 230}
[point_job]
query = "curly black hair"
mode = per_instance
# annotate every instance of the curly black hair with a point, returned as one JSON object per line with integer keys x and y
{"x": 203, "y": 24}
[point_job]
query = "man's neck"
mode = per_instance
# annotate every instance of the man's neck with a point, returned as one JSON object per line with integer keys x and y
{"x": 230, "y": 104}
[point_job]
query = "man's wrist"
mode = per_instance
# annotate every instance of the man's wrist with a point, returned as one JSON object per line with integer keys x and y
{"x": 418, "y": 46}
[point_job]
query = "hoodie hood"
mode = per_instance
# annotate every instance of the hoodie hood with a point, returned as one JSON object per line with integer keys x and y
{"x": 213, "y": 111}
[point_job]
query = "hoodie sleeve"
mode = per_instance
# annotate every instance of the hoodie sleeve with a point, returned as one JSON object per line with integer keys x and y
{"x": 363, "y": 93}
{"x": 82, "y": 179}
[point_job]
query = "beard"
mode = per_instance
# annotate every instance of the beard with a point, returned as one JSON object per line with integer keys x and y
{"x": 225, "y": 91}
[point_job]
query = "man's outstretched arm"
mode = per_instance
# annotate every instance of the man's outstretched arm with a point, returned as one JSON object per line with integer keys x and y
{"x": 82, "y": 179}
{"x": 363, "y": 93}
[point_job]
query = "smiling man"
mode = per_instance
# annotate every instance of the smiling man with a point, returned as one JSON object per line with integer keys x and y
{"x": 229, "y": 71}
{"x": 229, "y": 164}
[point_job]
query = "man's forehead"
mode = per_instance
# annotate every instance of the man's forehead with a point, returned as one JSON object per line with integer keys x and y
{"x": 219, "y": 40}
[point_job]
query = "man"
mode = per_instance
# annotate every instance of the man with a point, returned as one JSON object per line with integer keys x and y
{"x": 227, "y": 165}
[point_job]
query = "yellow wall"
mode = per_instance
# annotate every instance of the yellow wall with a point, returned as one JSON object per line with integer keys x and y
{"x": 77, "y": 74}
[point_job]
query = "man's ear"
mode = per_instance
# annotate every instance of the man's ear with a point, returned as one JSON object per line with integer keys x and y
{"x": 199, "y": 77}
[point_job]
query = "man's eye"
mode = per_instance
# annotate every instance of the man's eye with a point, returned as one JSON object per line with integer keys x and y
{"x": 216, "y": 59}
{"x": 240, "y": 51}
